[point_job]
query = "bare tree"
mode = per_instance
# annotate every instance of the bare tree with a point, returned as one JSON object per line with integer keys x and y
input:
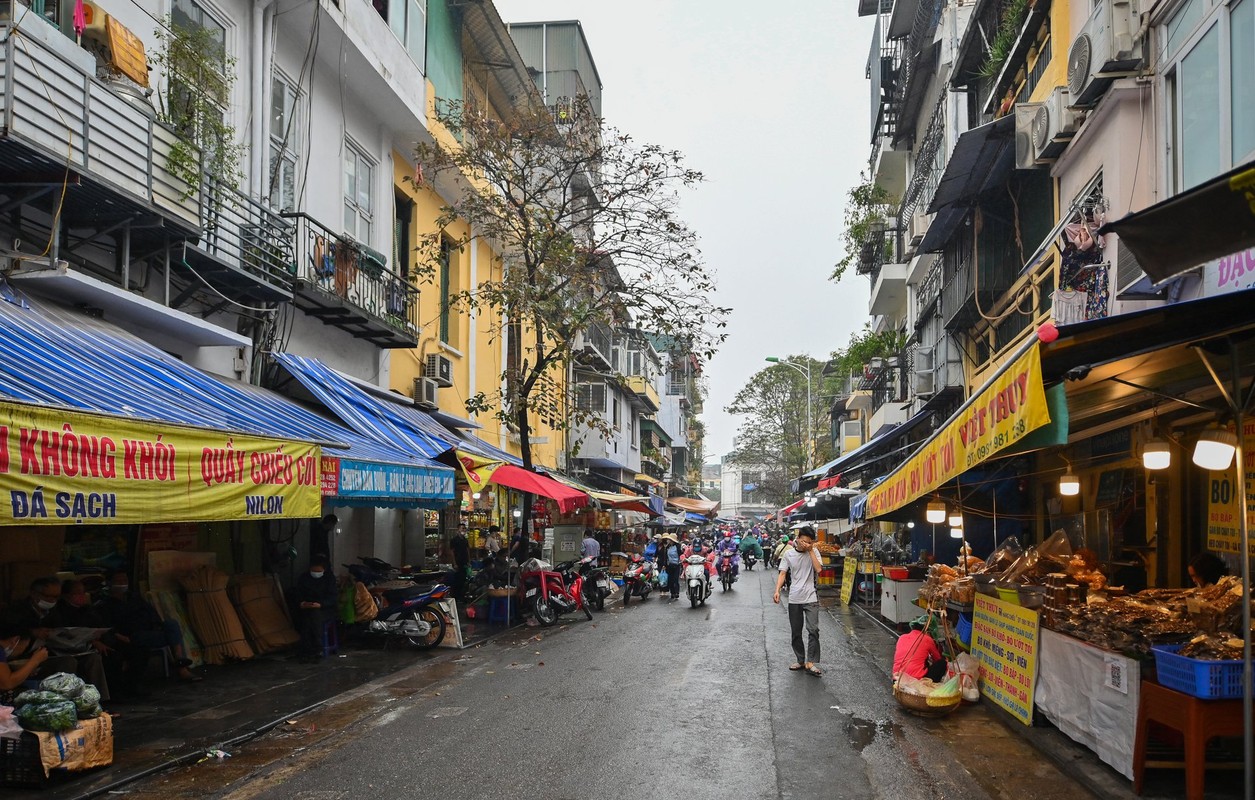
{"x": 585, "y": 221}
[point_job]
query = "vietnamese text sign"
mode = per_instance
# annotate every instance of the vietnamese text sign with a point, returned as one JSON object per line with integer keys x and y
{"x": 1004, "y": 643}
{"x": 848, "y": 577}
{"x": 1006, "y": 410}
{"x": 59, "y": 467}
{"x": 1223, "y": 533}
{"x": 370, "y": 480}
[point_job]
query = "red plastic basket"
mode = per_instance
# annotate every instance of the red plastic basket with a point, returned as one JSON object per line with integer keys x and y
{"x": 895, "y": 573}
{"x": 1207, "y": 680}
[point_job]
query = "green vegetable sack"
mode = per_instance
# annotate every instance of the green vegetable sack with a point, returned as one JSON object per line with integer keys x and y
{"x": 36, "y": 697}
{"x": 87, "y": 700}
{"x": 63, "y": 683}
{"x": 54, "y": 717}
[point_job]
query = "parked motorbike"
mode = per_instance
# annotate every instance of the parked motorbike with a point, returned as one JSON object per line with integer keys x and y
{"x": 597, "y": 585}
{"x": 412, "y": 614}
{"x": 696, "y": 579}
{"x": 552, "y": 592}
{"x": 725, "y": 571}
{"x": 638, "y": 578}
{"x": 750, "y": 560}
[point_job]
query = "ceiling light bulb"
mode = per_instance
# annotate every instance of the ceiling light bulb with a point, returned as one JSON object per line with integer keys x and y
{"x": 1214, "y": 450}
{"x": 956, "y": 519}
{"x": 956, "y": 533}
{"x": 936, "y": 512}
{"x": 1069, "y": 485}
{"x": 1156, "y": 455}
{"x": 475, "y": 496}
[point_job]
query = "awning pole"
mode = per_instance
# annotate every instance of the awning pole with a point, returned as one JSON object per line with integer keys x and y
{"x": 1248, "y": 703}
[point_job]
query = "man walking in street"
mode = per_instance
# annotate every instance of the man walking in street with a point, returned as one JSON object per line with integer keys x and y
{"x": 590, "y": 546}
{"x": 802, "y": 561}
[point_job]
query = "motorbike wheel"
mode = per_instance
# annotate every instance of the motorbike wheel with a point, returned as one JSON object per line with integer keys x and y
{"x": 601, "y": 602}
{"x": 693, "y": 599}
{"x": 545, "y": 613}
{"x": 645, "y": 592}
{"x": 588, "y": 612}
{"x": 432, "y": 616}
{"x": 727, "y": 582}
{"x": 627, "y": 592}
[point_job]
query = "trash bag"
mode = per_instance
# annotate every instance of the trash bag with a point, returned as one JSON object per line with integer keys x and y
{"x": 63, "y": 683}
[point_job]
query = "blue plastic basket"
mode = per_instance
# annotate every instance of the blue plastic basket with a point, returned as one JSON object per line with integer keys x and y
{"x": 1208, "y": 680}
{"x": 964, "y": 630}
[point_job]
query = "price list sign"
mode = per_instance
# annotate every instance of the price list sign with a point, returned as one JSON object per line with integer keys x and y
{"x": 1004, "y": 642}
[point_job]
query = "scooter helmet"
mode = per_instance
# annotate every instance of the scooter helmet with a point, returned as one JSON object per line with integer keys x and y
{"x": 727, "y": 535}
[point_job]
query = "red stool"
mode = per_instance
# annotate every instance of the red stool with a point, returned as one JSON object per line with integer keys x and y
{"x": 1199, "y": 721}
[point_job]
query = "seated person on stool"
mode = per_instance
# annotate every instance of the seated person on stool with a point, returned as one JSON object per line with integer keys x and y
{"x": 38, "y": 616}
{"x": 12, "y": 675}
{"x": 138, "y": 629}
{"x": 315, "y": 595}
{"x": 917, "y": 655}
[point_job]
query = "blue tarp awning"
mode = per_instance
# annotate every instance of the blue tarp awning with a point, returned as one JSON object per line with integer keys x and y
{"x": 52, "y": 357}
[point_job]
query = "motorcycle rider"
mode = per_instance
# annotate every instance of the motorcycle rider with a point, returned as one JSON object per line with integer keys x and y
{"x": 728, "y": 547}
{"x": 697, "y": 548}
{"x": 778, "y": 552}
{"x": 750, "y": 544}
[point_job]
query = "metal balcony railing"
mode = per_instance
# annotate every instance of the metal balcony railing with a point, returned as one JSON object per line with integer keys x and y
{"x": 928, "y": 292}
{"x": 243, "y": 233}
{"x": 351, "y": 286}
{"x": 598, "y": 337}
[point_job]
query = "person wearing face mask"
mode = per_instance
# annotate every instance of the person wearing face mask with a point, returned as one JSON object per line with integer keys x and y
{"x": 315, "y": 596}
{"x": 138, "y": 629}
{"x": 40, "y": 617}
{"x": 12, "y": 676}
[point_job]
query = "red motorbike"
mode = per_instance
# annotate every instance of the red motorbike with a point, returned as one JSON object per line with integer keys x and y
{"x": 552, "y": 592}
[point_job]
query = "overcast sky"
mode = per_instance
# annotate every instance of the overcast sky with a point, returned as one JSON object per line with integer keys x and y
{"x": 771, "y": 103}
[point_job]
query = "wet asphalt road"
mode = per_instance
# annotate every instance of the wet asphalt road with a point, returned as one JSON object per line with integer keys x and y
{"x": 659, "y": 700}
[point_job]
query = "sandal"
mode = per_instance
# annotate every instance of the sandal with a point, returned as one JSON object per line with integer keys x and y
{"x": 795, "y": 667}
{"x": 816, "y": 671}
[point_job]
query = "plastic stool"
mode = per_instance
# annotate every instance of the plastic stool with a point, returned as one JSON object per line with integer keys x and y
{"x": 330, "y": 638}
{"x": 500, "y": 610}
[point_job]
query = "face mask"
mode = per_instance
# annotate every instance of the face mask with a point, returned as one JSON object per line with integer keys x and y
{"x": 315, "y": 575}
{"x": 45, "y": 605}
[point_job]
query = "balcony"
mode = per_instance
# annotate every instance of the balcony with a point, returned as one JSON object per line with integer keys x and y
{"x": 67, "y": 133}
{"x": 595, "y": 343}
{"x": 349, "y": 286}
{"x": 927, "y": 293}
{"x": 889, "y": 291}
{"x": 644, "y": 393}
{"x": 245, "y": 249}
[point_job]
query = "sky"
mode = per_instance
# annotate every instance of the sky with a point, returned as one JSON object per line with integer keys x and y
{"x": 772, "y": 106}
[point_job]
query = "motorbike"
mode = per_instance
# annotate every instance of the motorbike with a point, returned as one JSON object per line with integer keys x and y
{"x": 696, "y": 580}
{"x": 412, "y": 614}
{"x": 552, "y": 592}
{"x": 638, "y": 578}
{"x": 749, "y": 559}
{"x": 596, "y": 582}
{"x": 725, "y": 570}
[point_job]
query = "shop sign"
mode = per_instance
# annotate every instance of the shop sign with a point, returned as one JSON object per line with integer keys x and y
{"x": 848, "y": 577}
{"x": 62, "y": 467}
{"x": 1223, "y": 532}
{"x": 1004, "y": 643}
{"x": 1233, "y": 273}
{"x": 478, "y": 470}
{"x": 1005, "y": 411}
{"x": 367, "y": 480}
{"x": 330, "y": 483}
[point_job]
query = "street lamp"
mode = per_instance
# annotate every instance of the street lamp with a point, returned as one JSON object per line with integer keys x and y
{"x": 810, "y": 423}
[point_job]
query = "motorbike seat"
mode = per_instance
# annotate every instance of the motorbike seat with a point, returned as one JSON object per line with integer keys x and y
{"x": 404, "y": 593}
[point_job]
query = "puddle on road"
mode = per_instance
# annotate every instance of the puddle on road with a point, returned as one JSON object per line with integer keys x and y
{"x": 862, "y": 732}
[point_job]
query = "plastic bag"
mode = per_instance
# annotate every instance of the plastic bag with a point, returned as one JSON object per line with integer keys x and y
{"x": 1003, "y": 556}
{"x": 35, "y": 697}
{"x": 87, "y": 700}
{"x": 53, "y": 717}
{"x": 10, "y": 728}
{"x": 63, "y": 683}
{"x": 946, "y": 693}
{"x": 969, "y": 676}
{"x": 345, "y": 611}
{"x": 662, "y": 579}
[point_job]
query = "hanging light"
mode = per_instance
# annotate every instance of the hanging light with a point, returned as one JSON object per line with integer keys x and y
{"x": 956, "y": 520}
{"x": 1069, "y": 485}
{"x": 1214, "y": 449}
{"x": 910, "y": 525}
{"x": 518, "y": 512}
{"x": 475, "y": 496}
{"x": 936, "y": 512}
{"x": 1156, "y": 455}
{"x": 956, "y": 533}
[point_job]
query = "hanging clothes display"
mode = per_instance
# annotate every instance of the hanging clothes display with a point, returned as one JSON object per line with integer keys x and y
{"x": 1083, "y": 269}
{"x": 1068, "y": 306}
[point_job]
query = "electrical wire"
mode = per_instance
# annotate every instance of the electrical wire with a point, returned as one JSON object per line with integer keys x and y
{"x": 211, "y": 288}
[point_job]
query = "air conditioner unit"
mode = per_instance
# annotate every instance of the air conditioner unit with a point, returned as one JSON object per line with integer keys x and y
{"x": 1104, "y": 50}
{"x": 923, "y": 360}
{"x": 1025, "y": 113}
{"x": 1054, "y": 124}
{"x": 1128, "y": 273}
{"x": 923, "y": 384}
{"x": 440, "y": 369}
{"x": 425, "y": 392}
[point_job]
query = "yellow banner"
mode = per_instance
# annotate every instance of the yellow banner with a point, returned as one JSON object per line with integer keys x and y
{"x": 1223, "y": 533}
{"x": 477, "y": 469}
{"x": 69, "y": 467}
{"x": 1004, "y": 644}
{"x": 1005, "y": 411}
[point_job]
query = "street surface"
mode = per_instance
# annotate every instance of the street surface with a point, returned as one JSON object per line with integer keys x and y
{"x": 654, "y": 700}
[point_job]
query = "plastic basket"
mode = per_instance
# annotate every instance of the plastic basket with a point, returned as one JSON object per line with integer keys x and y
{"x": 895, "y": 573}
{"x": 19, "y": 762}
{"x": 964, "y": 630}
{"x": 1208, "y": 680}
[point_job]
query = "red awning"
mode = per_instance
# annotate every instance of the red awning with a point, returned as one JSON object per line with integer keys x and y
{"x": 828, "y": 483}
{"x": 568, "y": 499}
{"x": 789, "y": 509}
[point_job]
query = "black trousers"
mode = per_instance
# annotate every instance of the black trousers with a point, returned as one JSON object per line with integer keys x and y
{"x": 673, "y": 580}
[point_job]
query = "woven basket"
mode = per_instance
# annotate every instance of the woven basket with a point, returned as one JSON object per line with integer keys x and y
{"x": 503, "y": 591}
{"x": 917, "y": 704}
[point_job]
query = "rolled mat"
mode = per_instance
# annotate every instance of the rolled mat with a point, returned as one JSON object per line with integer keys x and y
{"x": 170, "y": 606}
{"x": 261, "y": 611}
{"x": 213, "y": 618}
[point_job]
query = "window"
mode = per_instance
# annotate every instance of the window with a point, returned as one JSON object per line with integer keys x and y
{"x": 1208, "y": 51}
{"x": 615, "y": 414}
{"x": 591, "y": 397}
{"x": 446, "y": 295}
{"x": 359, "y": 181}
{"x": 408, "y": 20}
{"x": 635, "y": 432}
{"x": 198, "y": 92}
{"x": 285, "y": 142}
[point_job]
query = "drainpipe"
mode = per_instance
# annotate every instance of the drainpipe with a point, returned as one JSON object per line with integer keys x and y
{"x": 257, "y": 67}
